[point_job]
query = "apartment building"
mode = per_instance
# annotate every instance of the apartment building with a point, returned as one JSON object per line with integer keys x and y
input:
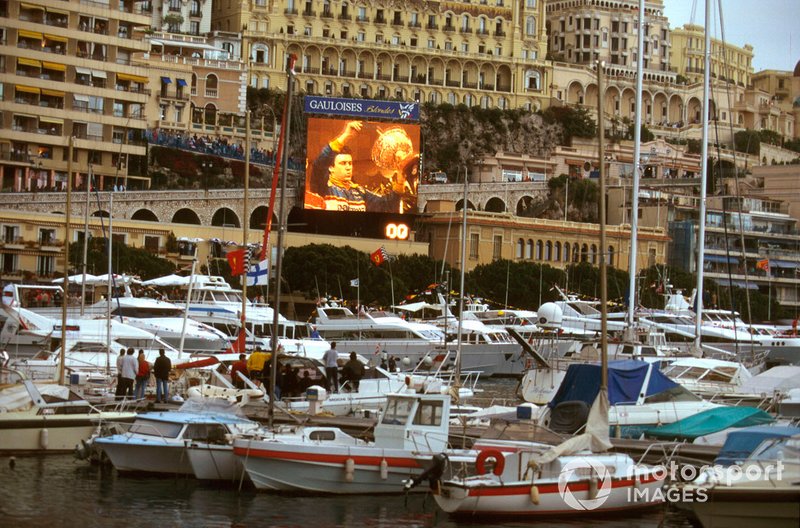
{"x": 66, "y": 69}
{"x": 488, "y": 53}
{"x": 728, "y": 61}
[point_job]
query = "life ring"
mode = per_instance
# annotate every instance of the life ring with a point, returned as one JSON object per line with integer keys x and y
{"x": 483, "y": 456}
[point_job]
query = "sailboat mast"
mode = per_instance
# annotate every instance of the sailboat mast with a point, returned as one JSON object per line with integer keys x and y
{"x": 637, "y": 153}
{"x": 601, "y": 129}
{"x": 65, "y": 293}
{"x": 245, "y": 222}
{"x": 701, "y": 225}
{"x": 276, "y": 305}
{"x": 85, "y": 239}
{"x": 109, "y": 284}
{"x": 463, "y": 266}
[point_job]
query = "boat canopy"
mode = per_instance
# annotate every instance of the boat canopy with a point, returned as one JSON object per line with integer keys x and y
{"x": 627, "y": 380}
{"x": 740, "y": 444}
{"x": 710, "y": 421}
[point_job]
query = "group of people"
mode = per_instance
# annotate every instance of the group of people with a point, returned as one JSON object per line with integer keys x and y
{"x": 133, "y": 375}
{"x": 352, "y": 371}
{"x": 214, "y": 146}
{"x": 258, "y": 367}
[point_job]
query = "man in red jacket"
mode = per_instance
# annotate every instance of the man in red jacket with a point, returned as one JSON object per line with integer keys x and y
{"x": 239, "y": 366}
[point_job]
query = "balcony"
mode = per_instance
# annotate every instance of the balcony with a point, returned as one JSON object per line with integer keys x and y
{"x": 362, "y": 19}
{"x": 379, "y": 20}
{"x": 290, "y": 11}
{"x": 448, "y": 29}
{"x": 416, "y": 25}
{"x": 432, "y": 25}
{"x": 345, "y": 16}
{"x": 326, "y": 13}
{"x": 309, "y": 13}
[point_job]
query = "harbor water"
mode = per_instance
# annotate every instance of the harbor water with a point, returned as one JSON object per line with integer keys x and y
{"x": 58, "y": 490}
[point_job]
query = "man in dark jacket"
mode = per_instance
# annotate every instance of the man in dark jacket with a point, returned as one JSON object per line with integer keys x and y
{"x": 353, "y": 371}
{"x": 161, "y": 369}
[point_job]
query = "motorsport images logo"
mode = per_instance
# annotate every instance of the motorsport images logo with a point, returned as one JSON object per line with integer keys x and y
{"x": 582, "y": 469}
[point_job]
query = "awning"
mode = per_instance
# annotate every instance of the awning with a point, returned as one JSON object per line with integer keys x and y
{"x": 31, "y": 6}
{"x": 133, "y": 78}
{"x": 27, "y": 89}
{"x": 166, "y": 80}
{"x": 57, "y": 11}
{"x": 29, "y": 62}
{"x": 784, "y": 264}
{"x": 182, "y": 82}
{"x": 54, "y": 66}
{"x": 29, "y": 34}
{"x": 83, "y": 71}
{"x": 191, "y": 45}
{"x": 81, "y": 98}
{"x": 99, "y": 74}
{"x": 51, "y": 120}
{"x": 725, "y": 283}
{"x": 54, "y": 93}
{"x": 55, "y": 37}
{"x": 721, "y": 258}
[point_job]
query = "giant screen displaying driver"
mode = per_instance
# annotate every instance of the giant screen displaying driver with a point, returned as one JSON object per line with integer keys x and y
{"x": 365, "y": 166}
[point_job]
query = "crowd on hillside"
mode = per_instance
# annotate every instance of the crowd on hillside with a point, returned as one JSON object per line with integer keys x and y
{"x": 216, "y": 146}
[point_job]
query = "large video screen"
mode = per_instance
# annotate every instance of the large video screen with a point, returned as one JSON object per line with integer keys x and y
{"x": 356, "y": 165}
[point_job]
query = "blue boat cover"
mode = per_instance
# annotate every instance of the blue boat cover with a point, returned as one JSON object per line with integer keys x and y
{"x": 740, "y": 444}
{"x": 625, "y": 380}
{"x": 710, "y": 421}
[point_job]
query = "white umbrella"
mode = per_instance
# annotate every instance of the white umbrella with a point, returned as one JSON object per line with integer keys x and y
{"x": 417, "y": 306}
{"x": 168, "y": 280}
{"x": 118, "y": 279}
{"x": 76, "y": 279}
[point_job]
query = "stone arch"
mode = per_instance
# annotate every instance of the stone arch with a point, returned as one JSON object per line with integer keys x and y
{"x": 495, "y": 205}
{"x": 593, "y": 253}
{"x": 660, "y": 109}
{"x": 590, "y": 99}
{"x": 575, "y": 93}
{"x": 525, "y": 206}
{"x": 529, "y": 249}
{"x": 694, "y": 110}
{"x": 647, "y": 102}
{"x": 611, "y": 256}
{"x": 225, "y": 217}
{"x": 185, "y": 216}
{"x": 101, "y": 213}
{"x": 557, "y": 252}
{"x": 258, "y": 218}
{"x": 539, "y": 249}
{"x": 210, "y": 112}
{"x": 460, "y": 205}
{"x": 627, "y": 102}
{"x": 675, "y": 108}
{"x": 144, "y": 214}
{"x": 612, "y": 100}
{"x": 502, "y": 81}
{"x": 548, "y": 251}
{"x": 566, "y": 252}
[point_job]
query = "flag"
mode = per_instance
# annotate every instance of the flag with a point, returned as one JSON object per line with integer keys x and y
{"x": 236, "y": 260}
{"x": 259, "y": 274}
{"x": 379, "y": 256}
{"x": 354, "y": 283}
{"x": 763, "y": 265}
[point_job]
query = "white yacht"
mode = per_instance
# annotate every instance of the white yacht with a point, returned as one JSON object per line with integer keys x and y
{"x": 215, "y": 303}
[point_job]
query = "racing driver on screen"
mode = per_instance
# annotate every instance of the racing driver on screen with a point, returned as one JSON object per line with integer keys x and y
{"x": 331, "y": 186}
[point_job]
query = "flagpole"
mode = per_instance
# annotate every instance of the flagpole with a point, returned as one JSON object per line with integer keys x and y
{"x": 391, "y": 280}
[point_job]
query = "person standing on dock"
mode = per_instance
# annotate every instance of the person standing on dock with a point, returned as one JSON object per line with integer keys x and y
{"x": 161, "y": 369}
{"x": 129, "y": 369}
{"x": 120, "y": 392}
{"x": 142, "y": 376}
{"x": 331, "y": 368}
{"x": 236, "y": 368}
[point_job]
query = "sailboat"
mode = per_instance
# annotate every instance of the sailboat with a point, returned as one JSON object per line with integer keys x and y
{"x": 577, "y": 476}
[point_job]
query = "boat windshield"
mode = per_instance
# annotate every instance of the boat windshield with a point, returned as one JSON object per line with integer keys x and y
{"x": 155, "y": 428}
{"x": 786, "y": 449}
{"x": 397, "y": 411}
{"x": 674, "y": 394}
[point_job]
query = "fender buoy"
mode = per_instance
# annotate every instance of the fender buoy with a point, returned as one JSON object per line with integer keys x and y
{"x": 483, "y": 456}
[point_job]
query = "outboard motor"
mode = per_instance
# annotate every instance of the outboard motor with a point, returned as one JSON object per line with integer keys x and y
{"x": 433, "y": 473}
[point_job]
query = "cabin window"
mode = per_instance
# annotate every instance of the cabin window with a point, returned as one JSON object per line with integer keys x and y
{"x": 322, "y": 436}
{"x": 211, "y": 433}
{"x": 153, "y": 428}
{"x": 429, "y": 414}
{"x": 397, "y": 411}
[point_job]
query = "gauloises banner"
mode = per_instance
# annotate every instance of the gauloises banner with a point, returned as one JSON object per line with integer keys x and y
{"x": 363, "y": 108}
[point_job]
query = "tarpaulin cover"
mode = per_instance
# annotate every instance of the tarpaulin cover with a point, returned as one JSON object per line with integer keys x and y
{"x": 625, "y": 382}
{"x": 710, "y": 421}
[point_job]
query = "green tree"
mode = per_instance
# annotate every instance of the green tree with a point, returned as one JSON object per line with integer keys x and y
{"x": 124, "y": 259}
{"x": 576, "y": 122}
{"x": 523, "y": 278}
{"x": 748, "y": 141}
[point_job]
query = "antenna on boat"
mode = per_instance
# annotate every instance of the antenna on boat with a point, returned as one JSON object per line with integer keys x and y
{"x": 603, "y": 245}
{"x": 245, "y": 226}
{"x": 461, "y": 294}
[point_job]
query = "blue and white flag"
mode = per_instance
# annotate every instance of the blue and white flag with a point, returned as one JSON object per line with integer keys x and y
{"x": 259, "y": 274}
{"x": 354, "y": 283}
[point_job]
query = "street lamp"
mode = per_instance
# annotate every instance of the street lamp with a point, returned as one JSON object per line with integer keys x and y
{"x": 274, "y": 128}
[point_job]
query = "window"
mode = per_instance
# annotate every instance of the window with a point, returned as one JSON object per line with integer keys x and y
{"x": 520, "y": 248}
{"x": 474, "y": 240}
{"x": 497, "y": 250}
{"x": 8, "y": 262}
{"x": 429, "y": 413}
{"x": 539, "y": 249}
{"x": 11, "y": 234}
{"x": 530, "y": 26}
{"x": 44, "y": 265}
{"x": 397, "y": 411}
